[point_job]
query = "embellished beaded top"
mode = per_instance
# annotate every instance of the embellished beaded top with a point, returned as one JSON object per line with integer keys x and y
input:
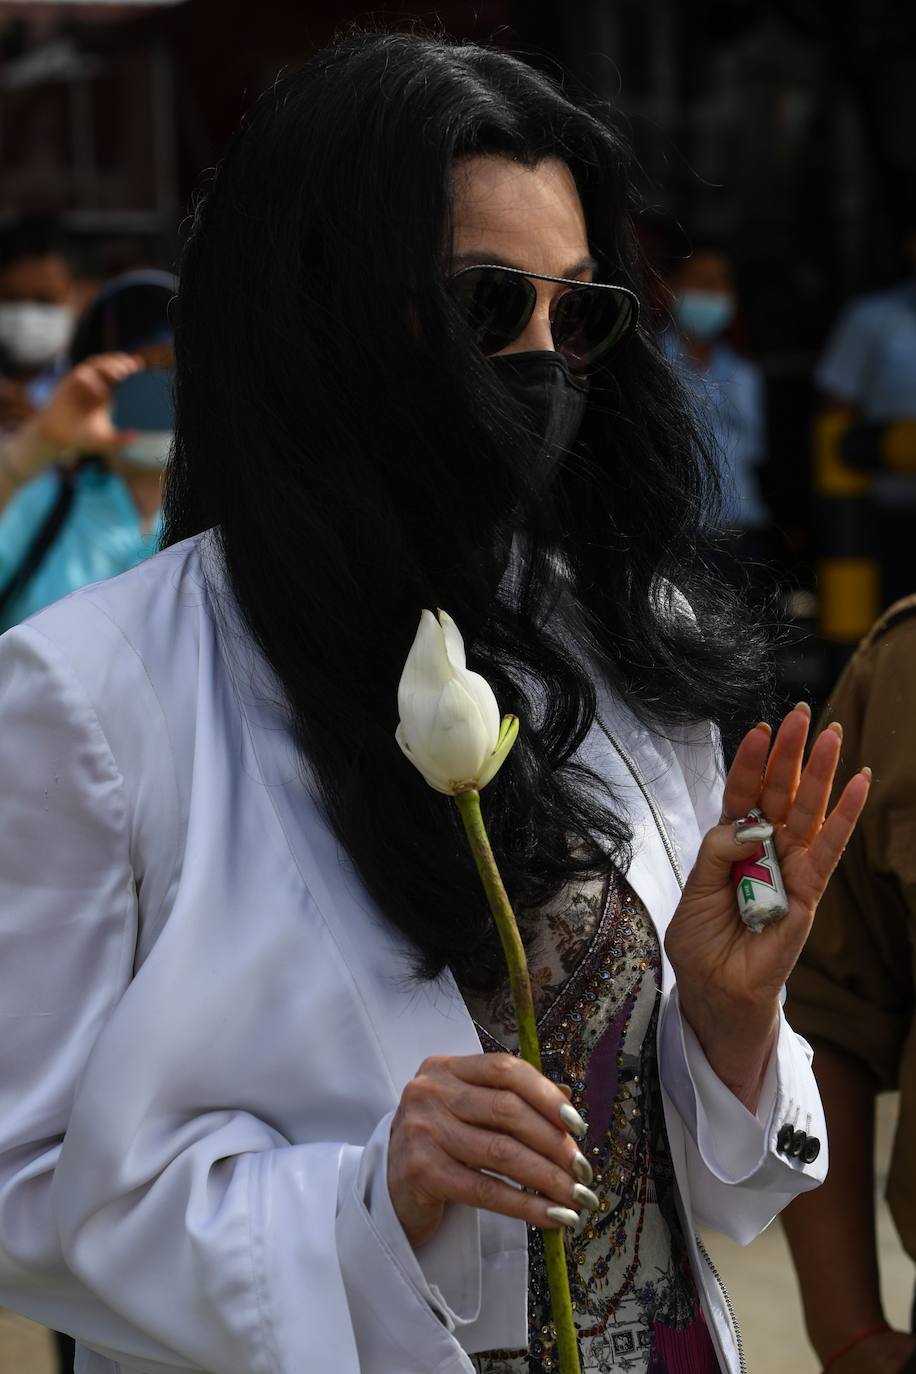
{"x": 595, "y": 982}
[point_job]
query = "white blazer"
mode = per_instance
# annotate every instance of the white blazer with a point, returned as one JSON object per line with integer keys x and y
{"x": 206, "y": 1024}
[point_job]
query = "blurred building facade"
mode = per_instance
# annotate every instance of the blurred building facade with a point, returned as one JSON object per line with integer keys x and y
{"x": 781, "y": 125}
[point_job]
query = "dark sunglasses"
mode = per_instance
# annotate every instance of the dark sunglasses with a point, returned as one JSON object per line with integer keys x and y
{"x": 586, "y": 322}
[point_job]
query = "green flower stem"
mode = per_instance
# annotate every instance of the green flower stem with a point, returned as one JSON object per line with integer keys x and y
{"x": 520, "y": 984}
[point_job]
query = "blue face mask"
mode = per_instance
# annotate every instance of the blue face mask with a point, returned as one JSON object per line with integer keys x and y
{"x": 703, "y": 314}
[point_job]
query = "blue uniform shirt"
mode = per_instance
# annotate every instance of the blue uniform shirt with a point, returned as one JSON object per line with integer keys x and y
{"x": 870, "y": 359}
{"x": 729, "y": 399}
{"x": 100, "y": 538}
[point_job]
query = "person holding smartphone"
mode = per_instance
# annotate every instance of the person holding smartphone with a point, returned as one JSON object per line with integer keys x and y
{"x": 80, "y": 481}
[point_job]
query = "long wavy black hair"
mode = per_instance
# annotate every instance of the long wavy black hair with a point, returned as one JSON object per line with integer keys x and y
{"x": 362, "y": 460}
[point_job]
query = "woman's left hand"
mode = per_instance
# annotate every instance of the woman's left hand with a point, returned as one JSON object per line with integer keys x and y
{"x": 729, "y": 977}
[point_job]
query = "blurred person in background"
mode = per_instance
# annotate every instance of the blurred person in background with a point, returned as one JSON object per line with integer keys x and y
{"x": 727, "y": 388}
{"x": 79, "y": 496}
{"x": 868, "y": 369}
{"x": 852, "y": 996}
{"x": 38, "y": 301}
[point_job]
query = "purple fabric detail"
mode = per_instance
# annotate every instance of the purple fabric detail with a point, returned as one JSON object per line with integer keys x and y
{"x": 601, "y": 1074}
{"x": 685, "y": 1351}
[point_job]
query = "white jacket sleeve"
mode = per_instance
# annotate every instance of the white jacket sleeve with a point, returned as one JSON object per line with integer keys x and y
{"x": 441, "y": 1285}
{"x": 68, "y": 912}
{"x": 739, "y": 1179}
{"x": 197, "y": 1239}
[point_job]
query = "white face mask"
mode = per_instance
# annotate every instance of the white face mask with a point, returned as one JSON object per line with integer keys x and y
{"x": 33, "y": 332}
{"x": 150, "y": 449}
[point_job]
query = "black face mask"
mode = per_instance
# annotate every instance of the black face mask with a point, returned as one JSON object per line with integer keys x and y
{"x": 555, "y": 400}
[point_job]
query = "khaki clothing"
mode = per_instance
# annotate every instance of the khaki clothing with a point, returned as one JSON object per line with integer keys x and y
{"x": 854, "y": 984}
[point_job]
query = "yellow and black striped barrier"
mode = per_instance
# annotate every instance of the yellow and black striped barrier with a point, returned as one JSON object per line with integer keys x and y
{"x": 846, "y": 456}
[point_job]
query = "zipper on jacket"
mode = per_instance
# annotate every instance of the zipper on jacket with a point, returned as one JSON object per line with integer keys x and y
{"x": 739, "y": 1343}
{"x": 678, "y": 873}
{"x": 650, "y": 802}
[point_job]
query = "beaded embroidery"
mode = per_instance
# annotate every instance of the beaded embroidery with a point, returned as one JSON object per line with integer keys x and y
{"x": 634, "y": 1298}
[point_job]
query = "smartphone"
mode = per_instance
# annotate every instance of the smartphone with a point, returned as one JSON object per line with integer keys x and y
{"x": 144, "y": 401}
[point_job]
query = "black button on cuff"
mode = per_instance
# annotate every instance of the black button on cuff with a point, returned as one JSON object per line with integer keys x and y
{"x": 799, "y": 1141}
{"x": 784, "y": 1139}
{"x": 810, "y": 1150}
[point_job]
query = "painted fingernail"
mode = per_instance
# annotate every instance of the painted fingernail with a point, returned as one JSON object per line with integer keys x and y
{"x": 585, "y": 1197}
{"x": 573, "y": 1121}
{"x": 581, "y": 1168}
{"x": 802, "y": 706}
{"x": 564, "y": 1215}
{"x": 756, "y": 834}
{"x": 836, "y": 727}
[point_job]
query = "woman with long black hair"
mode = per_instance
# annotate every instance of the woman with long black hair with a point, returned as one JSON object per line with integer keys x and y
{"x": 276, "y": 1123}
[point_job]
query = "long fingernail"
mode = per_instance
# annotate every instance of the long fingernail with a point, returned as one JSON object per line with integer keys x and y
{"x": 836, "y": 727}
{"x": 581, "y": 1168}
{"x": 573, "y": 1121}
{"x": 747, "y": 834}
{"x": 803, "y": 706}
{"x": 866, "y": 772}
{"x": 564, "y": 1215}
{"x": 585, "y": 1197}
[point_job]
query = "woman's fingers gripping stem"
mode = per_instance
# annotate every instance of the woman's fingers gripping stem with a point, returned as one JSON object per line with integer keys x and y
{"x": 463, "y": 1120}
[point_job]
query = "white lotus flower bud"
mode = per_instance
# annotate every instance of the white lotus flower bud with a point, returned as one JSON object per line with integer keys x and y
{"x": 449, "y": 720}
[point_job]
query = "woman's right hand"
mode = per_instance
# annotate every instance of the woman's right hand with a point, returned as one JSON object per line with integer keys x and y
{"x": 462, "y": 1120}
{"x": 77, "y": 418}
